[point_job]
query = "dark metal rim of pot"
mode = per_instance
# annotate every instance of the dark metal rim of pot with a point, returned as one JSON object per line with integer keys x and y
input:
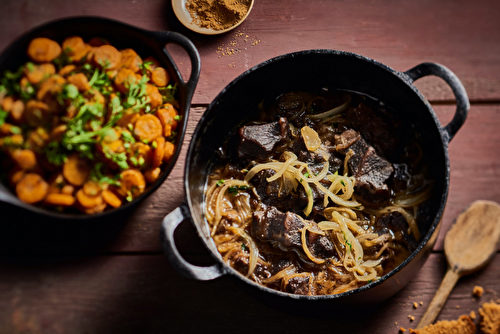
{"x": 121, "y": 32}
{"x": 407, "y": 78}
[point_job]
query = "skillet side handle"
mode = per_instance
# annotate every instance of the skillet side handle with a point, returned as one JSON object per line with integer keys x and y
{"x": 166, "y": 37}
{"x": 170, "y": 223}
{"x": 458, "y": 89}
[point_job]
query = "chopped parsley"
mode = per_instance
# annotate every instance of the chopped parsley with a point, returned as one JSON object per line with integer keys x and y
{"x": 220, "y": 183}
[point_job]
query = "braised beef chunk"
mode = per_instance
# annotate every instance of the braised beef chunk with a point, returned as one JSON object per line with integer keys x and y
{"x": 370, "y": 170}
{"x": 395, "y": 222}
{"x": 283, "y": 230}
{"x": 377, "y": 131}
{"x": 299, "y": 285}
{"x": 259, "y": 141}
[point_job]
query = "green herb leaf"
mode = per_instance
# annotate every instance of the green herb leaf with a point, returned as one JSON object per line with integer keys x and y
{"x": 220, "y": 183}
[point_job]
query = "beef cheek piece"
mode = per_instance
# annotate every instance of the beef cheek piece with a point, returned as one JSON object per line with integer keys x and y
{"x": 258, "y": 142}
{"x": 284, "y": 230}
{"x": 370, "y": 170}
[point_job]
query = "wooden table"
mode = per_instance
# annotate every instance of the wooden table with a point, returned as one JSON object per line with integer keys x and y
{"x": 113, "y": 278}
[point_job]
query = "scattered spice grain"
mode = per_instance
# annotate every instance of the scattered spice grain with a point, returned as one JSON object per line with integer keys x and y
{"x": 415, "y": 305}
{"x": 464, "y": 325}
{"x": 477, "y": 291}
{"x": 490, "y": 318}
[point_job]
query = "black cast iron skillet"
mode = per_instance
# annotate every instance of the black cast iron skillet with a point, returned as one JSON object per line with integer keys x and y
{"x": 308, "y": 70}
{"x": 145, "y": 43}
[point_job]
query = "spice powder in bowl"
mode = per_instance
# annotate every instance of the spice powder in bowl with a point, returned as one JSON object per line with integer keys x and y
{"x": 212, "y": 17}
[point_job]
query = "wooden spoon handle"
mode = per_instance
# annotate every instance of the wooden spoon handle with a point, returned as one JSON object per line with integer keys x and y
{"x": 449, "y": 281}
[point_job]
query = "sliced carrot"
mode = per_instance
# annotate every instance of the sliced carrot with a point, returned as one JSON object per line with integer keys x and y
{"x": 57, "y": 132}
{"x": 37, "y": 73}
{"x": 53, "y": 85}
{"x": 7, "y": 103}
{"x": 96, "y": 209}
{"x": 129, "y": 117}
{"x": 132, "y": 183}
{"x": 107, "y": 57}
{"x": 169, "y": 151}
{"x": 66, "y": 70}
{"x": 148, "y": 128}
{"x": 78, "y": 56}
{"x": 152, "y": 175}
{"x": 9, "y": 129}
{"x": 73, "y": 44}
{"x": 59, "y": 200}
{"x": 32, "y": 188}
{"x": 17, "y": 111}
{"x": 155, "y": 98}
{"x": 167, "y": 114}
{"x": 68, "y": 189}
{"x": 86, "y": 201}
{"x": 16, "y": 175}
{"x": 123, "y": 79}
{"x": 91, "y": 188}
{"x": 43, "y": 50}
{"x": 167, "y": 130}
{"x": 159, "y": 151}
{"x": 131, "y": 60}
{"x": 110, "y": 198}
{"x": 38, "y": 138}
{"x": 160, "y": 77}
{"x": 36, "y": 112}
{"x": 24, "y": 159}
{"x": 80, "y": 81}
{"x": 140, "y": 155}
{"x": 76, "y": 170}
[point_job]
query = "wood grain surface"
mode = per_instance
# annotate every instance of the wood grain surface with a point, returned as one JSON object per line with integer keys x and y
{"x": 111, "y": 277}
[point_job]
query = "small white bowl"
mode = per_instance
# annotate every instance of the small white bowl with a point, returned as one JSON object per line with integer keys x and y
{"x": 184, "y": 16}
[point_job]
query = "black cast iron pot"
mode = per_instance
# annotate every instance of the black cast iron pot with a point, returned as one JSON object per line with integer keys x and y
{"x": 309, "y": 70}
{"x": 120, "y": 35}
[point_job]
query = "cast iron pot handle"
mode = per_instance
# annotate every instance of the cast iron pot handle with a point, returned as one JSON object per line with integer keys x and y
{"x": 165, "y": 37}
{"x": 458, "y": 89}
{"x": 170, "y": 223}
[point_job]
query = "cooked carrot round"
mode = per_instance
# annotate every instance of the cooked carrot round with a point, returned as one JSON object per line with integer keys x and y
{"x": 155, "y": 98}
{"x": 32, "y": 188}
{"x": 159, "y": 151}
{"x": 87, "y": 201}
{"x": 123, "y": 79}
{"x": 80, "y": 81}
{"x": 140, "y": 155}
{"x": 148, "y": 128}
{"x": 16, "y": 175}
{"x": 73, "y": 44}
{"x": 107, "y": 57}
{"x": 128, "y": 118}
{"x": 66, "y": 70}
{"x": 169, "y": 151}
{"x": 152, "y": 175}
{"x": 132, "y": 183}
{"x": 68, "y": 189}
{"x": 91, "y": 188}
{"x": 25, "y": 159}
{"x": 37, "y": 73}
{"x": 42, "y": 50}
{"x": 76, "y": 170}
{"x": 59, "y": 200}
{"x": 95, "y": 209}
{"x": 131, "y": 60}
{"x": 110, "y": 198}
{"x": 160, "y": 77}
{"x": 51, "y": 86}
{"x": 17, "y": 111}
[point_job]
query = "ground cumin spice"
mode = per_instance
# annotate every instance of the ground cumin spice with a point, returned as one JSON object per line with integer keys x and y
{"x": 217, "y": 14}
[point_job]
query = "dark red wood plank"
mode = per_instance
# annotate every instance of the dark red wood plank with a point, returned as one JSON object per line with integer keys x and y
{"x": 143, "y": 294}
{"x": 463, "y": 35}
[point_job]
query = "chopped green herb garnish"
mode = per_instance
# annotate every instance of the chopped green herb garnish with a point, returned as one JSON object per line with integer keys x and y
{"x": 154, "y": 145}
{"x": 244, "y": 247}
{"x": 342, "y": 182}
{"x": 233, "y": 190}
{"x": 220, "y": 183}
{"x": 369, "y": 281}
{"x": 177, "y": 117}
{"x": 3, "y": 116}
{"x": 307, "y": 174}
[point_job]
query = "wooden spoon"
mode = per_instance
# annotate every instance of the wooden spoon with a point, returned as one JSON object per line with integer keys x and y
{"x": 469, "y": 245}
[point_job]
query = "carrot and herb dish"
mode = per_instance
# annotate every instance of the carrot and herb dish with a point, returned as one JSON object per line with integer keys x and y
{"x": 85, "y": 126}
